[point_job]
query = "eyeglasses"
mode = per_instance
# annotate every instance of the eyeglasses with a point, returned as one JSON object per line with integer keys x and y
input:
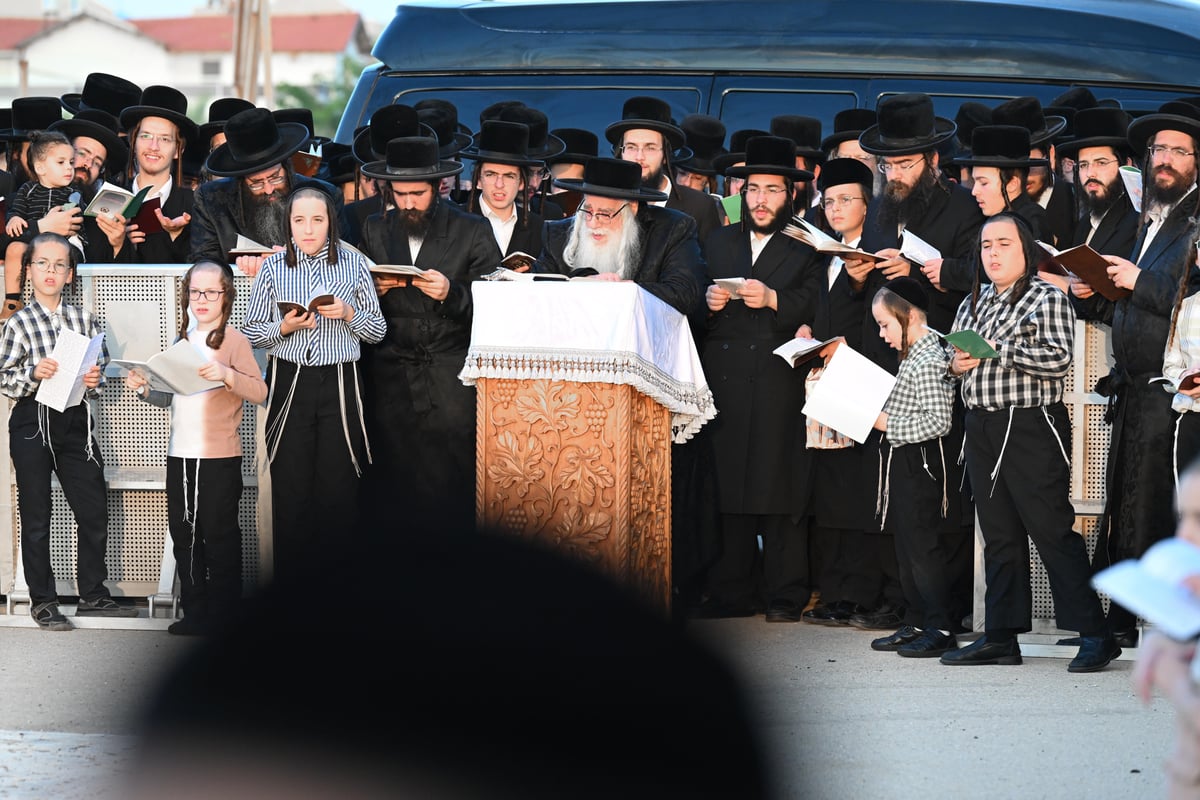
{"x": 634, "y": 149}
{"x": 161, "y": 139}
{"x": 1099, "y": 163}
{"x": 86, "y": 156}
{"x": 603, "y": 217}
{"x": 52, "y": 267}
{"x": 1163, "y": 150}
{"x": 766, "y": 191}
{"x": 211, "y": 295}
{"x": 887, "y": 168}
{"x": 843, "y": 200}
{"x": 489, "y": 176}
{"x": 278, "y": 179}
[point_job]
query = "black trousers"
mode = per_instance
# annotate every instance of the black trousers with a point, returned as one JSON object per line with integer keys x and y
{"x": 314, "y": 484}
{"x": 60, "y": 446}
{"x": 848, "y": 565}
{"x": 202, "y": 509}
{"x": 1030, "y": 497}
{"x": 783, "y": 569}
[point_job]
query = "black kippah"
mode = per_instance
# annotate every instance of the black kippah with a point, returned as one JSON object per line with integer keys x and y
{"x": 910, "y": 290}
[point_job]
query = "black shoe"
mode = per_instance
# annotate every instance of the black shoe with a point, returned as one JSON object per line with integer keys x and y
{"x": 1095, "y": 653}
{"x": 48, "y": 617}
{"x": 981, "y": 651}
{"x": 887, "y": 617}
{"x": 784, "y": 611}
{"x": 834, "y": 614}
{"x": 711, "y": 608}
{"x": 1123, "y": 639}
{"x": 929, "y": 644}
{"x": 890, "y": 644}
{"x": 103, "y": 607}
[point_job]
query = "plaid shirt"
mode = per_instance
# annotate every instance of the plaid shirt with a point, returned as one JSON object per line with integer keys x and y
{"x": 921, "y": 402}
{"x": 1035, "y": 339}
{"x": 30, "y": 335}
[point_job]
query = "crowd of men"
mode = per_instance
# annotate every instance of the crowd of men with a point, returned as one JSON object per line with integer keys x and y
{"x": 649, "y": 209}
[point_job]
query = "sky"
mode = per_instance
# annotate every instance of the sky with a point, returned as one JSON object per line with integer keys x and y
{"x": 374, "y": 10}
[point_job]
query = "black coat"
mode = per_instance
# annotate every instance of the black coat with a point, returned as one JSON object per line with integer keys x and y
{"x": 699, "y": 206}
{"x": 758, "y": 434}
{"x": 1116, "y": 232}
{"x": 217, "y": 217}
{"x": 1061, "y": 215}
{"x": 159, "y": 248}
{"x": 671, "y": 269}
{"x": 355, "y": 215}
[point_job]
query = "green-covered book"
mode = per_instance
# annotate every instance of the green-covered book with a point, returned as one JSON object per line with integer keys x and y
{"x": 969, "y": 342}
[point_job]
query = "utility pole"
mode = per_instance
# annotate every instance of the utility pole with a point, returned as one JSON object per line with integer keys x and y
{"x": 252, "y": 41}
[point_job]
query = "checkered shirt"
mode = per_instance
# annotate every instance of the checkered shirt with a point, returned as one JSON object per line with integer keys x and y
{"x": 921, "y": 402}
{"x": 30, "y": 335}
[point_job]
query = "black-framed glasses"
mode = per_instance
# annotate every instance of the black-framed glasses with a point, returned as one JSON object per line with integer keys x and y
{"x": 211, "y": 295}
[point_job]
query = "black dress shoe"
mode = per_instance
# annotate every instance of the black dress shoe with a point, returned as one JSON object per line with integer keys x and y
{"x": 929, "y": 644}
{"x": 1127, "y": 638}
{"x": 1095, "y": 653}
{"x": 784, "y": 611}
{"x": 981, "y": 651}
{"x": 721, "y": 609}
{"x": 887, "y": 617}
{"x": 833, "y": 614}
{"x": 890, "y": 644}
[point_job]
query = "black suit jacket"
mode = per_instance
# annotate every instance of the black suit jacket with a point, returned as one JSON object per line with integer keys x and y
{"x": 1116, "y": 232}
{"x": 355, "y": 215}
{"x": 1061, "y": 214}
{"x": 159, "y": 248}
{"x": 697, "y": 205}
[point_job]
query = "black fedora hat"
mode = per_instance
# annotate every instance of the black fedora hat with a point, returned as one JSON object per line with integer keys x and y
{"x": 542, "y": 144}
{"x": 581, "y": 146}
{"x": 1097, "y": 127}
{"x": 706, "y": 139}
{"x": 1077, "y": 97}
{"x": 162, "y": 101}
{"x": 848, "y": 124}
{"x": 1027, "y": 113}
{"x": 99, "y": 125}
{"x": 737, "y": 148}
{"x": 1174, "y": 115}
{"x": 343, "y": 166}
{"x": 612, "y": 177}
{"x": 1000, "y": 146}
{"x": 303, "y": 116}
{"x": 388, "y": 122}
{"x": 501, "y": 142}
{"x": 219, "y": 112}
{"x": 412, "y": 159}
{"x": 448, "y": 107}
{"x": 970, "y": 116}
{"x": 770, "y": 155}
{"x": 648, "y": 113}
{"x": 31, "y": 114}
{"x": 805, "y": 133}
{"x": 494, "y": 110}
{"x": 442, "y": 119}
{"x": 254, "y": 142}
{"x": 111, "y": 94}
{"x": 841, "y": 171}
{"x": 906, "y": 125}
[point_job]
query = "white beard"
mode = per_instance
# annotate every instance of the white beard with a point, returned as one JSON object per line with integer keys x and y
{"x": 620, "y": 251}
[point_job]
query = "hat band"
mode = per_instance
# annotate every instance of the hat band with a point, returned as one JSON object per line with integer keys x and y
{"x": 909, "y": 141}
{"x": 411, "y": 171}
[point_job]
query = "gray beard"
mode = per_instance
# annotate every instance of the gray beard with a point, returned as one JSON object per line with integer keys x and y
{"x": 621, "y": 254}
{"x": 267, "y": 222}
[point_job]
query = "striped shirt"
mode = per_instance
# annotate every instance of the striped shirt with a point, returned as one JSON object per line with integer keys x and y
{"x": 1035, "y": 339}
{"x": 921, "y": 403}
{"x": 30, "y": 335}
{"x": 1183, "y": 353}
{"x": 333, "y": 341}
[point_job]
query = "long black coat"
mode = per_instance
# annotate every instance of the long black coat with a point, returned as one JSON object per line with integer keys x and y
{"x": 1116, "y": 232}
{"x": 420, "y": 417}
{"x": 1060, "y": 214}
{"x": 758, "y": 434}
{"x": 699, "y": 206}
{"x": 159, "y": 248}
{"x": 671, "y": 268}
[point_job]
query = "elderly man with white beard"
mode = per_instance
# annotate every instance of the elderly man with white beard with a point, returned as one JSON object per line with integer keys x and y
{"x": 617, "y": 235}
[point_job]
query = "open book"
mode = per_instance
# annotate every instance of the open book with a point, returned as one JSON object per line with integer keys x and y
{"x": 75, "y": 354}
{"x": 286, "y": 307}
{"x": 968, "y": 341}
{"x": 515, "y": 261}
{"x": 916, "y": 249}
{"x": 802, "y": 230}
{"x": 112, "y": 200}
{"x": 1132, "y": 178}
{"x": 505, "y": 274}
{"x": 174, "y": 370}
{"x": 799, "y": 350}
{"x": 246, "y": 246}
{"x": 731, "y": 285}
{"x": 1152, "y": 587}
{"x": 307, "y": 162}
{"x": 1089, "y": 266}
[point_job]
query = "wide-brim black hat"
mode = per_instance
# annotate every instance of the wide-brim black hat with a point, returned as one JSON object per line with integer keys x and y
{"x": 1000, "y": 146}
{"x": 1097, "y": 127}
{"x": 770, "y": 155}
{"x": 412, "y": 159}
{"x": 848, "y": 124}
{"x": 1027, "y": 113}
{"x": 253, "y": 143}
{"x": 99, "y": 125}
{"x": 444, "y": 123}
{"x": 737, "y": 148}
{"x": 646, "y": 113}
{"x": 706, "y": 138}
{"x": 396, "y": 121}
{"x": 969, "y": 117}
{"x": 612, "y": 177}
{"x": 842, "y": 171}
{"x": 219, "y": 112}
{"x": 31, "y": 114}
{"x": 805, "y": 133}
{"x": 581, "y": 145}
{"x": 500, "y": 142}
{"x": 111, "y": 94}
{"x": 1174, "y": 115}
{"x": 166, "y": 102}
{"x": 343, "y": 166}
{"x": 542, "y": 144}
{"x": 906, "y": 125}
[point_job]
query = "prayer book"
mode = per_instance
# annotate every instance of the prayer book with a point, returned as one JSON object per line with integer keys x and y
{"x": 398, "y": 269}
{"x": 246, "y": 246}
{"x": 731, "y": 285}
{"x": 799, "y": 350}
{"x": 1152, "y": 587}
{"x": 518, "y": 261}
{"x": 1132, "y": 178}
{"x": 286, "y": 308}
{"x": 733, "y": 208}
{"x": 174, "y": 370}
{"x": 968, "y": 341}
{"x": 1089, "y": 266}
{"x": 307, "y": 162}
{"x": 505, "y": 274}
{"x": 851, "y": 393}
{"x": 916, "y": 249}
{"x": 75, "y": 354}
{"x": 802, "y": 230}
{"x": 112, "y": 200}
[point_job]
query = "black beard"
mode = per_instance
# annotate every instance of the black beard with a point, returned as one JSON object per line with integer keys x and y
{"x": 413, "y": 223}
{"x": 266, "y": 218}
{"x": 773, "y": 225}
{"x": 1167, "y": 196}
{"x": 1098, "y": 205}
{"x": 654, "y": 180}
{"x": 894, "y": 210}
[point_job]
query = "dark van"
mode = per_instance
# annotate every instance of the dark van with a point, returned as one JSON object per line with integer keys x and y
{"x": 748, "y": 61}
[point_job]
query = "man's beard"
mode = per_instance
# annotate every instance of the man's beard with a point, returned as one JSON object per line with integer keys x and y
{"x": 621, "y": 253}
{"x": 1098, "y": 204}
{"x": 899, "y": 205}
{"x": 266, "y": 216}
{"x": 654, "y": 180}
{"x": 773, "y": 225}
{"x": 1168, "y": 195}
{"x": 413, "y": 222}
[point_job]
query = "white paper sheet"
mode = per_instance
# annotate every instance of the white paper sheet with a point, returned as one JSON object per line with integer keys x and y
{"x": 850, "y": 394}
{"x": 75, "y": 354}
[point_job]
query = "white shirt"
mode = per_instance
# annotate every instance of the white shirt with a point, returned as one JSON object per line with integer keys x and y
{"x": 836, "y": 263}
{"x": 663, "y": 203}
{"x": 1043, "y": 199}
{"x": 163, "y": 194}
{"x": 502, "y": 229}
{"x": 757, "y": 243}
{"x": 1158, "y": 215}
